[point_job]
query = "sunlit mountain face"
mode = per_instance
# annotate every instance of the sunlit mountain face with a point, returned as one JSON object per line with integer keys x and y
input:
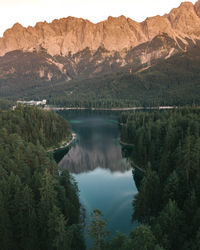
{"x": 63, "y": 60}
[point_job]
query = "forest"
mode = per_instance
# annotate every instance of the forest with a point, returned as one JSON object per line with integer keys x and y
{"x": 36, "y": 126}
{"x": 39, "y": 204}
{"x": 161, "y": 84}
{"x": 165, "y": 145}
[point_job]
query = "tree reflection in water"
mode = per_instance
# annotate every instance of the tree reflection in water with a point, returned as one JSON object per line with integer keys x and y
{"x": 97, "y": 146}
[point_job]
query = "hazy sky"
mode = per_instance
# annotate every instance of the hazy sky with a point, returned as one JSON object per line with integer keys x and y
{"x": 28, "y": 12}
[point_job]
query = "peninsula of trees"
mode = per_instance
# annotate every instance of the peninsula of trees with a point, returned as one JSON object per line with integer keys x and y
{"x": 39, "y": 205}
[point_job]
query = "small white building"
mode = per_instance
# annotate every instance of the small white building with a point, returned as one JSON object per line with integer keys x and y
{"x": 32, "y": 102}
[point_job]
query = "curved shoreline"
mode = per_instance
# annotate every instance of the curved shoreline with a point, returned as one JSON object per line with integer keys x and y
{"x": 64, "y": 144}
{"x": 126, "y": 144}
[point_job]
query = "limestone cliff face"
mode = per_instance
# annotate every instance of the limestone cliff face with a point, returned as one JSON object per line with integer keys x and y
{"x": 71, "y": 35}
{"x": 185, "y": 21}
{"x": 71, "y": 48}
{"x": 197, "y": 7}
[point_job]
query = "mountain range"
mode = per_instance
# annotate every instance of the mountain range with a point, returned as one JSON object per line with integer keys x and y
{"x": 72, "y": 50}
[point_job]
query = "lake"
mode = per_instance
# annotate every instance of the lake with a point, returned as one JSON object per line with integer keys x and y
{"x": 95, "y": 160}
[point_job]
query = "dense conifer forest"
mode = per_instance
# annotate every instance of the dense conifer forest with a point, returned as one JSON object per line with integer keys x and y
{"x": 166, "y": 146}
{"x": 35, "y": 125}
{"x": 6, "y": 104}
{"x": 39, "y": 205}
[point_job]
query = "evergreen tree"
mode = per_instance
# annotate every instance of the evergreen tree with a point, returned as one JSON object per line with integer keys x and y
{"x": 97, "y": 229}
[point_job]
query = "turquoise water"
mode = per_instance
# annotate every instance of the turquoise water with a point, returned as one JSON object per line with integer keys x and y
{"x": 104, "y": 177}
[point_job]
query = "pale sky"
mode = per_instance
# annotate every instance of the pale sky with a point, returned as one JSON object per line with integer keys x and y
{"x": 28, "y": 12}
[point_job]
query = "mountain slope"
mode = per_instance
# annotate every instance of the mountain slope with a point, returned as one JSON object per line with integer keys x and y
{"x": 42, "y": 67}
{"x": 174, "y": 81}
{"x": 74, "y": 55}
{"x": 164, "y": 83}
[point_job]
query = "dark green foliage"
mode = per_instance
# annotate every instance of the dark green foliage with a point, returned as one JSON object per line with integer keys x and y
{"x": 169, "y": 226}
{"x": 166, "y": 146}
{"x": 35, "y": 125}
{"x": 39, "y": 206}
{"x": 118, "y": 242}
{"x": 147, "y": 201}
{"x": 140, "y": 239}
{"x": 173, "y": 81}
{"x": 137, "y": 176}
{"x": 97, "y": 230}
{"x": 5, "y": 104}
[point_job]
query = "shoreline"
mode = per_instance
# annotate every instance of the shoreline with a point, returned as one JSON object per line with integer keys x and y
{"x": 111, "y": 109}
{"x": 126, "y": 144}
{"x": 64, "y": 144}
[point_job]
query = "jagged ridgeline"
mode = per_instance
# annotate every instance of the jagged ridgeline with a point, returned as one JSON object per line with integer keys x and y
{"x": 166, "y": 149}
{"x": 72, "y": 61}
{"x": 39, "y": 205}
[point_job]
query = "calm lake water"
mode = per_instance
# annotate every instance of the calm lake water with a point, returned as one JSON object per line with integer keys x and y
{"x": 104, "y": 177}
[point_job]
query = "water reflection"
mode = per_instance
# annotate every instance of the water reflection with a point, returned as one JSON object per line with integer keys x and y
{"x": 104, "y": 177}
{"x": 97, "y": 146}
{"x": 82, "y": 159}
{"x": 112, "y": 193}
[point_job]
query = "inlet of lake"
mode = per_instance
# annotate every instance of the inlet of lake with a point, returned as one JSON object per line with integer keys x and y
{"x": 103, "y": 175}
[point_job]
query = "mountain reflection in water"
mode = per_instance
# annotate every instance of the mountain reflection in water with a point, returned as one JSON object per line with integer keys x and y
{"x": 104, "y": 177}
{"x": 97, "y": 146}
{"x": 81, "y": 159}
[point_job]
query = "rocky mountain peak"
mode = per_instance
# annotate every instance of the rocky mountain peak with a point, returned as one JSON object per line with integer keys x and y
{"x": 186, "y": 5}
{"x": 197, "y": 7}
{"x": 121, "y": 18}
{"x": 17, "y": 26}
{"x": 184, "y": 20}
{"x": 156, "y": 25}
{"x": 71, "y": 35}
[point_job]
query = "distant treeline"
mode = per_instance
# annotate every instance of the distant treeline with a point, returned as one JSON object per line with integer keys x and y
{"x": 173, "y": 81}
{"x": 39, "y": 205}
{"x": 6, "y": 104}
{"x": 166, "y": 145}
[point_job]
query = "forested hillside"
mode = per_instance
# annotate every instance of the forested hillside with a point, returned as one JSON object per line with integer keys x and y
{"x": 39, "y": 205}
{"x": 166, "y": 146}
{"x": 172, "y": 81}
{"x": 36, "y": 126}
